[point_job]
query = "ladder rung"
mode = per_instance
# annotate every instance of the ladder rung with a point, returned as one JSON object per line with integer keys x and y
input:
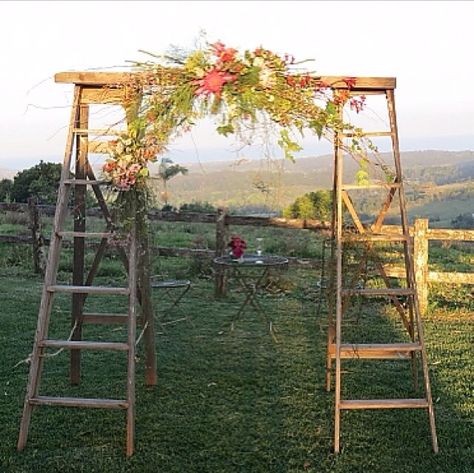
{"x": 375, "y": 351}
{"x": 78, "y": 402}
{"x": 387, "y": 185}
{"x": 86, "y": 234}
{"x": 378, "y": 292}
{"x": 97, "y": 132}
{"x": 384, "y": 404}
{"x": 367, "y": 133}
{"x": 85, "y": 182}
{"x": 89, "y": 289}
{"x": 103, "y": 318}
{"x": 81, "y": 344}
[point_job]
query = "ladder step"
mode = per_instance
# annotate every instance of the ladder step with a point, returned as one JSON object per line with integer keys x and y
{"x": 376, "y": 351}
{"x": 81, "y": 344}
{"x": 382, "y": 185}
{"x": 78, "y": 402}
{"x": 97, "y": 131}
{"x": 378, "y": 292}
{"x": 84, "y": 182}
{"x": 85, "y": 234}
{"x": 103, "y": 318}
{"x": 384, "y": 404}
{"x": 90, "y": 289}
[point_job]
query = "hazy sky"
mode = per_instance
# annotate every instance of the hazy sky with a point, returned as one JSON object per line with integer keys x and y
{"x": 426, "y": 45}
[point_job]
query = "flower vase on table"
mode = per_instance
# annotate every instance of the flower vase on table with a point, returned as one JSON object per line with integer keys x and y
{"x": 238, "y": 246}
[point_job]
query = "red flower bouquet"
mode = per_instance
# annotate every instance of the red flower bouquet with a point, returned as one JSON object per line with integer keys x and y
{"x": 237, "y": 245}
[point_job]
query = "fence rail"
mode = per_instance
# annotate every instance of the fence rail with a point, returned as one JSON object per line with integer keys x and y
{"x": 420, "y": 232}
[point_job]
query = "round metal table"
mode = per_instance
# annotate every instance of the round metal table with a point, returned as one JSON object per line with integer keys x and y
{"x": 251, "y": 271}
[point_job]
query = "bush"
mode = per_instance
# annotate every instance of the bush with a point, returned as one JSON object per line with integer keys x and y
{"x": 198, "y": 206}
{"x": 313, "y": 205}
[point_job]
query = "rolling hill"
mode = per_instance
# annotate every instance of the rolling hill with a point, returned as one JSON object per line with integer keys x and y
{"x": 275, "y": 184}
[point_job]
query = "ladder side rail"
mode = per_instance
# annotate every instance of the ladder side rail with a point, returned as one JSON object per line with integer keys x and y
{"x": 410, "y": 268}
{"x": 339, "y": 156}
{"x": 49, "y": 279}
{"x": 78, "y": 300}
{"x": 132, "y": 281}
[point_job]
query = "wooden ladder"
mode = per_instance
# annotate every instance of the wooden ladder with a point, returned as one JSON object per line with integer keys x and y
{"x": 78, "y": 140}
{"x": 410, "y": 312}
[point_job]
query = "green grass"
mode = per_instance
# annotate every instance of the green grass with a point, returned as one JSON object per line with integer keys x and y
{"x": 235, "y": 402}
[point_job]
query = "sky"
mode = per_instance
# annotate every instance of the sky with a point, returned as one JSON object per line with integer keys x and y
{"x": 426, "y": 45}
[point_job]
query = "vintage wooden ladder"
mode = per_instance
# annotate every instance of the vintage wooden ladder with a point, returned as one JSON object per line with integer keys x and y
{"x": 88, "y": 89}
{"x": 403, "y": 297}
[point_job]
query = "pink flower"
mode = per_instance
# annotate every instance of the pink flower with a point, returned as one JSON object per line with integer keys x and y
{"x": 224, "y": 54}
{"x": 213, "y": 82}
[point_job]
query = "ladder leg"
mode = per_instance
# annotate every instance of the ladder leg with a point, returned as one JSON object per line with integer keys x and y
{"x": 338, "y": 169}
{"x": 131, "y": 343}
{"x": 49, "y": 279}
{"x": 410, "y": 269}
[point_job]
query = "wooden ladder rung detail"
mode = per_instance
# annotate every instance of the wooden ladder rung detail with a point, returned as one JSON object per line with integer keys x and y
{"x": 97, "y": 132}
{"x": 103, "y": 318}
{"x": 387, "y": 291}
{"x": 78, "y": 402}
{"x": 85, "y": 182}
{"x": 90, "y": 290}
{"x": 384, "y": 404}
{"x": 376, "y": 351}
{"x": 384, "y": 185}
{"x": 85, "y": 234}
{"x": 82, "y": 344}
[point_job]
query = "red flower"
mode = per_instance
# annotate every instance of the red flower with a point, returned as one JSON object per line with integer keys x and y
{"x": 238, "y": 246}
{"x": 357, "y": 104}
{"x": 224, "y": 54}
{"x": 213, "y": 82}
{"x": 350, "y": 81}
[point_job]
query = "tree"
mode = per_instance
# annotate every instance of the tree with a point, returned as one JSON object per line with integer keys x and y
{"x": 313, "y": 205}
{"x": 166, "y": 171}
{"x": 41, "y": 181}
{"x": 6, "y": 190}
{"x": 463, "y": 221}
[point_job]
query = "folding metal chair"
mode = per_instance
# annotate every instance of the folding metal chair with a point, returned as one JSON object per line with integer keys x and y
{"x": 175, "y": 290}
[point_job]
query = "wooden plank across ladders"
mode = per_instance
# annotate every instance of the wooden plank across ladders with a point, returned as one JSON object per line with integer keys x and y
{"x": 337, "y": 350}
{"x": 136, "y": 290}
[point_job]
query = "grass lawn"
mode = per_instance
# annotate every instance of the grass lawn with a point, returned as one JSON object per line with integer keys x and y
{"x": 237, "y": 402}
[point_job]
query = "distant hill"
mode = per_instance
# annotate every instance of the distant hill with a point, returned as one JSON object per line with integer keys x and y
{"x": 274, "y": 184}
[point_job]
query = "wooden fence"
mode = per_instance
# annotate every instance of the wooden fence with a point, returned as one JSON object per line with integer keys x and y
{"x": 420, "y": 232}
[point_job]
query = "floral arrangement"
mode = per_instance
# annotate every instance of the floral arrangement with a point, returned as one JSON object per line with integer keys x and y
{"x": 238, "y": 246}
{"x": 244, "y": 91}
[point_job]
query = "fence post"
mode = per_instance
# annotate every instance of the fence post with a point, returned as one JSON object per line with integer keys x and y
{"x": 420, "y": 258}
{"x": 221, "y": 243}
{"x": 39, "y": 258}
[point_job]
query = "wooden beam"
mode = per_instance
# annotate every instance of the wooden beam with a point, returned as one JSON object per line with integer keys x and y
{"x": 121, "y": 78}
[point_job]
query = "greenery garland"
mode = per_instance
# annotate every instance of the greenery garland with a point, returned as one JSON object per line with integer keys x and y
{"x": 243, "y": 91}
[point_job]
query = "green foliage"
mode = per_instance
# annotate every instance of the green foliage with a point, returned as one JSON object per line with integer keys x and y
{"x": 463, "y": 221}
{"x": 6, "y": 186}
{"x": 41, "y": 181}
{"x": 313, "y": 205}
{"x": 198, "y": 206}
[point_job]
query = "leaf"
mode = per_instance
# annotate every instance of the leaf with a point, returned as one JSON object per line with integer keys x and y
{"x": 226, "y": 129}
